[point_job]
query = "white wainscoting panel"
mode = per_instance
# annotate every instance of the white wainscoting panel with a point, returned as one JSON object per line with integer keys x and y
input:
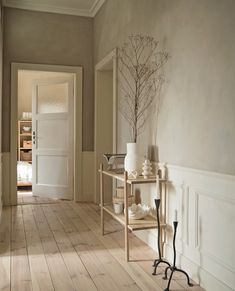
{"x": 205, "y": 202}
{"x": 6, "y": 178}
{"x": 0, "y": 186}
{"x": 88, "y": 179}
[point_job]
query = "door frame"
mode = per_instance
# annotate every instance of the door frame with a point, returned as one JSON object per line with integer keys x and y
{"x": 78, "y": 76}
{"x": 111, "y": 58}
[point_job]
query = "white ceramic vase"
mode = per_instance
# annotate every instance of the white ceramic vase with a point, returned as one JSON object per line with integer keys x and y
{"x": 133, "y": 162}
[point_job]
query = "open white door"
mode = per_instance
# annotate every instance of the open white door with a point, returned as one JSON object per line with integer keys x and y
{"x": 53, "y": 138}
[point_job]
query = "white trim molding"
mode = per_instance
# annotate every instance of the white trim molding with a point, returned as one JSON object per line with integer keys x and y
{"x": 1, "y": 187}
{"x": 6, "y": 179}
{"x": 96, "y": 7}
{"x": 205, "y": 242}
{"x": 63, "y": 9}
{"x": 106, "y": 65}
{"x": 78, "y": 75}
{"x": 88, "y": 178}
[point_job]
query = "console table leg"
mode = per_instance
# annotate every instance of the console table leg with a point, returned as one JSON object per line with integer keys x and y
{"x": 126, "y": 217}
{"x": 101, "y": 199}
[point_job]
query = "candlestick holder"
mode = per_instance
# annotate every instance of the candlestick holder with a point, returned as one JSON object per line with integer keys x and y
{"x": 173, "y": 268}
{"x": 157, "y": 262}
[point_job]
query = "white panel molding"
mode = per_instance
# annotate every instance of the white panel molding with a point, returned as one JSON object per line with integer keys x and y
{"x": 205, "y": 202}
{"x": 197, "y": 230}
{"x": 6, "y": 179}
{"x": 37, "y": 6}
{"x": 88, "y": 179}
{"x": 1, "y": 186}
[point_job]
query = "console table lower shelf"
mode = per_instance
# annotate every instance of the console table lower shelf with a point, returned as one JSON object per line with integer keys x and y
{"x": 148, "y": 222}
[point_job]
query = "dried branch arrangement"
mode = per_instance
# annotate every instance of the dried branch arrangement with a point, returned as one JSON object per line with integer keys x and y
{"x": 140, "y": 78}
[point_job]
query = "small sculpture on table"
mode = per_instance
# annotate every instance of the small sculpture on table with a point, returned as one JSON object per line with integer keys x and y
{"x": 147, "y": 169}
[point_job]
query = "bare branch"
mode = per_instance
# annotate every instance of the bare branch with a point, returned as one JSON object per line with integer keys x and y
{"x": 140, "y": 65}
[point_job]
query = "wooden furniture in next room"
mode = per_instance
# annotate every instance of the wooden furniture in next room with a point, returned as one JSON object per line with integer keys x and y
{"x": 25, "y": 140}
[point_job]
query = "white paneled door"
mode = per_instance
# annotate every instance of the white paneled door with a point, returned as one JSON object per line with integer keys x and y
{"x": 53, "y": 138}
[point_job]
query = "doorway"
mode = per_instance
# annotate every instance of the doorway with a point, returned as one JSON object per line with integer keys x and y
{"x": 46, "y": 151}
{"x": 105, "y": 118}
{"x": 45, "y": 134}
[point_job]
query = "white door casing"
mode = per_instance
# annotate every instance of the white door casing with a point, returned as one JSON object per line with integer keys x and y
{"x": 105, "y": 116}
{"x": 53, "y": 138}
{"x": 10, "y": 159}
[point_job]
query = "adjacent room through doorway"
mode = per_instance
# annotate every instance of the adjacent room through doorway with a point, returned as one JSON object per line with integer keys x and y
{"x": 45, "y": 134}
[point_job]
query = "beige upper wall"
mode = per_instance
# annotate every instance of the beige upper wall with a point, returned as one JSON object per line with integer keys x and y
{"x": 197, "y": 120}
{"x": 1, "y": 73}
{"x": 47, "y": 38}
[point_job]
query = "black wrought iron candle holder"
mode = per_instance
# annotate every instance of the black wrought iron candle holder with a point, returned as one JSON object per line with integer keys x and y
{"x": 173, "y": 268}
{"x": 157, "y": 262}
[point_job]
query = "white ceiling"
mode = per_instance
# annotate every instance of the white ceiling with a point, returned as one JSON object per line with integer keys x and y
{"x": 72, "y": 7}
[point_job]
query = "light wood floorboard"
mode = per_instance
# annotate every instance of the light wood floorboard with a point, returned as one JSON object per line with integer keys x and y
{"x": 5, "y": 257}
{"x": 51, "y": 245}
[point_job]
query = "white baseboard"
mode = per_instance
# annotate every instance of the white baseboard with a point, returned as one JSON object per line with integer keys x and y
{"x": 205, "y": 202}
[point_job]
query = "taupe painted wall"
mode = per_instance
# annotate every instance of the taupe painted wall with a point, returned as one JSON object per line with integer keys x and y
{"x": 197, "y": 120}
{"x": 47, "y": 38}
{"x": 1, "y": 71}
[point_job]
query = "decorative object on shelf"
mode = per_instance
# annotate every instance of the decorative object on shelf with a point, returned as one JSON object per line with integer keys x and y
{"x": 147, "y": 169}
{"x": 115, "y": 162}
{"x": 133, "y": 175}
{"x": 27, "y": 144}
{"x": 158, "y": 261}
{"x": 26, "y": 156}
{"x": 26, "y": 129}
{"x": 138, "y": 211}
{"x": 132, "y": 162}
{"x": 118, "y": 207}
{"x": 162, "y": 168}
{"x": 173, "y": 268}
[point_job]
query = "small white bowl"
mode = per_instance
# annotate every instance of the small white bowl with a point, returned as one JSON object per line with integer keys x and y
{"x": 26, "y": 128}
{"x": 118, "y": 207}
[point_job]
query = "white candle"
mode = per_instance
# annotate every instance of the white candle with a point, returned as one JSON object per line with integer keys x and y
{"x": 158, "y": 187}
{"x": 175, "y": 215}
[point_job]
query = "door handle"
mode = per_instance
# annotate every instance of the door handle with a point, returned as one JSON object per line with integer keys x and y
{"x": 34, "y": 137}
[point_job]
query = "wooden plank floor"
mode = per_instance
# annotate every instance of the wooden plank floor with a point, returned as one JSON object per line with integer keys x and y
{"x": 57, "y": 245}
{"x": 26, "y": 197}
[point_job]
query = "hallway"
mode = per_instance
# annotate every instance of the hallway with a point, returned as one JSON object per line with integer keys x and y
{"x": 58, "y": 246}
